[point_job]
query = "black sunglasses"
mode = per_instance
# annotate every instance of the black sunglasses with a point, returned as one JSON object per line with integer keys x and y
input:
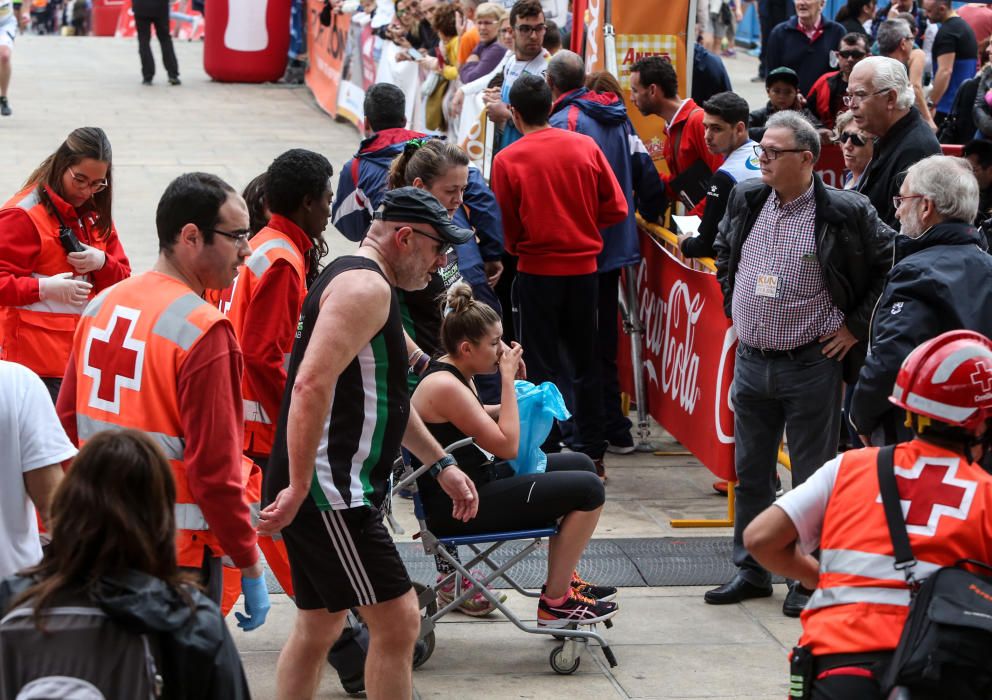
{"x": 852, "y": 137}
{"x": 851, "y": 54}
{"x": 443, "y": 247}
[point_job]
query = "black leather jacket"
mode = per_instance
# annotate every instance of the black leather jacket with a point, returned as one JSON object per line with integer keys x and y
{"x": 853, "y": 246}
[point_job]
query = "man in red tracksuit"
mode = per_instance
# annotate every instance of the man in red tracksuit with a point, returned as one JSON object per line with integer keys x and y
{"x": 556, "y": 191}
{"x": 654, "y": 89}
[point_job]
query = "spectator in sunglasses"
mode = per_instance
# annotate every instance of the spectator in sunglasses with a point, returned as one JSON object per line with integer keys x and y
{"x": 826, "y": 98}
{"x": 856, "y": 146}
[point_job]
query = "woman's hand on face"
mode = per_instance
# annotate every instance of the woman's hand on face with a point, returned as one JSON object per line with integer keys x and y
{"x": 510, "y": 360}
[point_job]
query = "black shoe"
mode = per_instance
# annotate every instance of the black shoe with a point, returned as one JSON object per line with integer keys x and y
{"x": 737, "y": 590}
{"x": 4, "y": 107}
{"x": 175, "y": 81}
{"x": 146, "y": 81}
{"x": 795, "y": 600}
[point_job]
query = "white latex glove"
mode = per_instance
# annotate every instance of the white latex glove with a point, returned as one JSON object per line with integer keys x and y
{"x": 90, "y": 260}
{"x": 63, "y": 289}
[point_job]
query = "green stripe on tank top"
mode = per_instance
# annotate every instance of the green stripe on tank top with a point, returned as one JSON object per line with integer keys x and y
{"x": 380, "y": 356}
{"x": 317, "y": 493}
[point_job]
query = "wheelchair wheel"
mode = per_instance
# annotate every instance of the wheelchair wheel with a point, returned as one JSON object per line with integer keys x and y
{"x": 560, "y": 663}
{"x": 424, "y": 647}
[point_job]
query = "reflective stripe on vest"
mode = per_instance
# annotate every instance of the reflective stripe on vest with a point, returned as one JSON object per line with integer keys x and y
{"x": 255, "y": 413}
{"x": 285, "y": 361}
{"x": 173, "y": 324}
{"x": 843, "y": 595}
{"x": 30, "y": 201}
{"x": 172, "y": 446}
{"x": 190, "y": 517}
{"x": 96, "y": 303}
{"x": 258, "y": 263}
{"x": 869, "y": 565}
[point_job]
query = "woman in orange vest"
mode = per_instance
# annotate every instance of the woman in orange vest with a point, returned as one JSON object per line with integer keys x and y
{"x": 58, "y": 247}
{"x": 859, "y": 607}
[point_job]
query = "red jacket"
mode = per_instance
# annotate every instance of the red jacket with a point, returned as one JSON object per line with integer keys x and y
{"x": 825, "y": 98}
{"x": 687, "y": 129}
{"x": 556, "y": 190}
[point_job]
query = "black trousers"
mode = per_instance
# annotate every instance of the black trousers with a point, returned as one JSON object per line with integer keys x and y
{"x": 558, "y": 325}
{"x": 144, "y": 26}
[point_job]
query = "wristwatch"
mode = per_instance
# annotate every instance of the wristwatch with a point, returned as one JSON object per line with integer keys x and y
{"x": 442, "y": 464}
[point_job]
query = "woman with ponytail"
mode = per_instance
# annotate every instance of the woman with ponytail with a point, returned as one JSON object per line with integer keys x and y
{"x": 569, "y": 492}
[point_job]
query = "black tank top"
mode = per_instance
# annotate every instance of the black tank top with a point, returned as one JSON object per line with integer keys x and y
{"x": 470, "y": 458}
{"x": 369, "y": 409}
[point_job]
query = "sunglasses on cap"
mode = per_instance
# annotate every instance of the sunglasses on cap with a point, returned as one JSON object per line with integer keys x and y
{"x": 852, "y": 137}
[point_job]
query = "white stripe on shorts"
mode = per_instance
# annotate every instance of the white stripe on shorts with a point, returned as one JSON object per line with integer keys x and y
{"x": 344, "y": 546}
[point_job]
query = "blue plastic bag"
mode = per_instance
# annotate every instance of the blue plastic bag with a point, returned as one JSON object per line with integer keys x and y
{"x": 539, "y": 406}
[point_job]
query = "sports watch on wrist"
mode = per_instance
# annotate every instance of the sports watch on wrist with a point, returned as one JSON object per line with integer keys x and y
{"x": 442, "y": 464}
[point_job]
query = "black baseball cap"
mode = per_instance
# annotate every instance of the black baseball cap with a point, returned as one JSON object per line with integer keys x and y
{"x": 782, "y": 74}
{"x": 414, "y": 205}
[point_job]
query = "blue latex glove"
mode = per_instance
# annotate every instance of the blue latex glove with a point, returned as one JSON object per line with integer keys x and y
{"x": 256, "y": 603}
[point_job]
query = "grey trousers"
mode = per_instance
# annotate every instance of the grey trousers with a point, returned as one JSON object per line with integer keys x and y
{"x": 799, "y": 392}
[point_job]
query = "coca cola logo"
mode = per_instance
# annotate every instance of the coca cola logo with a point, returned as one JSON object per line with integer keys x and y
{"x": 724, "y": 379}
{"x": 670, "y": 332}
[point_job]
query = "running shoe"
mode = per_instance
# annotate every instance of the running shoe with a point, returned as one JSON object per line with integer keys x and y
{"x": 476, "y": 606}
{"x": 576, "y": 610}
{"x": 622, "y": 444}
{"x": 4, "y": 107}
{"x": 603, "y": 594}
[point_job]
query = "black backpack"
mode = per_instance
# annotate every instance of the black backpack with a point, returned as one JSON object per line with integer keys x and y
{"x": 946, "y": 646}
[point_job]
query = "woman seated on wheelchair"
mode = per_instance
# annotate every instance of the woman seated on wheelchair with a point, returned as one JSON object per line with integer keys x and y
{"x": 569, "y": 491}
{"x": 113, "y": 549}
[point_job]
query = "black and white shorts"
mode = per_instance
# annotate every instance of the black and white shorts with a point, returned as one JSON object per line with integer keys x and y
{"x": 343, "y": 559}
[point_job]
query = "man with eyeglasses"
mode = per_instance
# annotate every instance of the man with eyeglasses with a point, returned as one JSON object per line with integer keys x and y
{"x": 529, "y": 58}
{"x": 345, "y": 414}
{"x": 801, "y": 266}
{"x": 826, "y": 98}
{"x": 939, "y": 283}
{"x": 881, "y": 99}
{"x": 151, "y": 354}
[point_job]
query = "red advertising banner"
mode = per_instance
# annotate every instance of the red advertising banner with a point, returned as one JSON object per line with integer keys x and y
{"x": 688, "y": 356}
{"x": 327, "y": 49}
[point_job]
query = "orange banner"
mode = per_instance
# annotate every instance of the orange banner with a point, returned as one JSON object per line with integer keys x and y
{"x": 642, "y": 29}
{"x": 327, "y": 50}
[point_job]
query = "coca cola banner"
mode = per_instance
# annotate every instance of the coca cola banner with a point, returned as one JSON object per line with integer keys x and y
{"x": 688, "y": 356}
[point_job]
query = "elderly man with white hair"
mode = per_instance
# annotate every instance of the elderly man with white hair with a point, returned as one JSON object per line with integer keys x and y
{"x": 940, "y": 282}
{"x": 881, "y": 98}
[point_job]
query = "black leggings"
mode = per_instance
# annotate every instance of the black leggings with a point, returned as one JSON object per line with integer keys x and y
{"x": 526, "y": 502}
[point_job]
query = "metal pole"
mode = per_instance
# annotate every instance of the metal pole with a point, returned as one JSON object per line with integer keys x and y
{"x": 609, "y": 39}
{"x": 631, "y": 313}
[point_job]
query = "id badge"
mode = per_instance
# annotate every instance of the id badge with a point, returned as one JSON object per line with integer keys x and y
{"x": 767, "y": 286}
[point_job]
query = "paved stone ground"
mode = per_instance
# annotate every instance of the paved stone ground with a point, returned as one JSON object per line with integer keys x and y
{"x": 669, "y": 644}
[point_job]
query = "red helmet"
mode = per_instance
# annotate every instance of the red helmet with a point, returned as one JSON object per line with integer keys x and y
{"x": 948, "y": 379}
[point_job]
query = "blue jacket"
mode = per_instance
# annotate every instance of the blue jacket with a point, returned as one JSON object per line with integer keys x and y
{"x": 362, "y": 184}
{"x": 940, "y": 282}
{"x": 788, "y": 46}
{"x": 603, "y": 117}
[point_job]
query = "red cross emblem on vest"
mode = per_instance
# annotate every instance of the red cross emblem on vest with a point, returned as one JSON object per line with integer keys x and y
{"x": 930, "y": 490}
{"x": 113, "y": 359}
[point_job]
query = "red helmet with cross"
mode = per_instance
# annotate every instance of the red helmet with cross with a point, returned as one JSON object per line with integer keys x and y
{"x": 948, "y": 379}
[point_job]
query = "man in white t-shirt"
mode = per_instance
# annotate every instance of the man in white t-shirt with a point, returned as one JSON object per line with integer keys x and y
{"x": 530, "y": 56}
{"x": 12, "y": 14}
{"x": 32, "y": 447}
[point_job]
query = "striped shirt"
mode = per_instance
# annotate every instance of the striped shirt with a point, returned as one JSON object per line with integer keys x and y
{"x": 780, "y": 253}
{"x": 370, "y": 405}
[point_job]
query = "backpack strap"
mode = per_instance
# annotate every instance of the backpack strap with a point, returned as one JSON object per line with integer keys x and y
{"x": 889, "y": 489}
